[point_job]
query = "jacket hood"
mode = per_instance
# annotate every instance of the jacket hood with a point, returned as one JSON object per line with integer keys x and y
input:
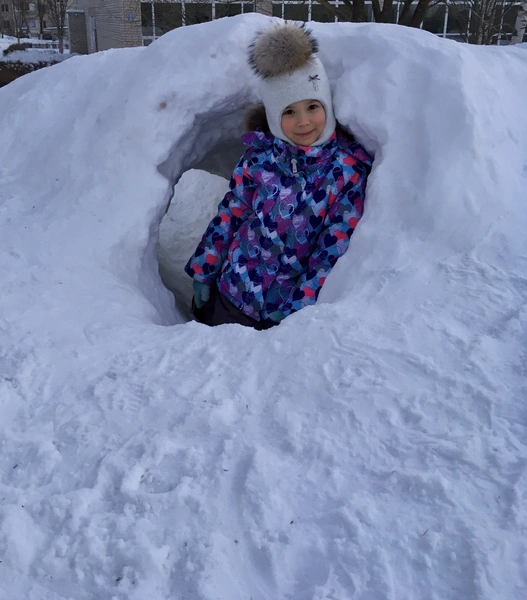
{"x": 255, "y": 122}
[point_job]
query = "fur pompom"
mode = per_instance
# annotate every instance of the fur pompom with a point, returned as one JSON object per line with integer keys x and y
{"x": 281, "y": 49}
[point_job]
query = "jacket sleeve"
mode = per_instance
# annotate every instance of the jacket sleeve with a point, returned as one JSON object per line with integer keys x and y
{"x": 333, "y": 241}
{"x": 206, "y": 262}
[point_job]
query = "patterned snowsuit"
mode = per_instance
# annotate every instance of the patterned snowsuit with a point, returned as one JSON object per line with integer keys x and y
{"x": 283, "y": 225}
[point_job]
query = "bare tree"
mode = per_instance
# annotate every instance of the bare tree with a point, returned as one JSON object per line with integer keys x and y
{"x": 57, "y": 9}
{"x": 408, "y": 12}
{"x": 20, "y": 9}
{"x": 161, "y": 16}
{"x": 15, "y": 20}
{"x": 482, "y": 21}
{"x": 521, "y": 24}
{"x": 413, "y": 15}
{"x": 41, "y": 13}
{"x": 353, "y": 11}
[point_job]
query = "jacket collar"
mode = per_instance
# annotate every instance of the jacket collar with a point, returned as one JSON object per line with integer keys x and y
{"x": 306, "y": 159}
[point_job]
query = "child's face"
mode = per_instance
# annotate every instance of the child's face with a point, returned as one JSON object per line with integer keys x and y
{"x": 304, "y": 121}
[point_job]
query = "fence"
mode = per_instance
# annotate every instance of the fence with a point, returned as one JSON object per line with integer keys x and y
{"x": 43, "y": 44}
{"x": 448, "y": 19}
{"x": 48, "y": 44}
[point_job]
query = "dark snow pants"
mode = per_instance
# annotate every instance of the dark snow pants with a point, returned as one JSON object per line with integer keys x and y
{"x": 218, "y": 311}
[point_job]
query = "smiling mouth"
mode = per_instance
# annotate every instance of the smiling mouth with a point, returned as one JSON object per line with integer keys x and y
{"x": 305, "y": 134}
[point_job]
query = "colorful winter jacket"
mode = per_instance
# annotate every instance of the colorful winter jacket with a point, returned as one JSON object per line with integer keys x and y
{"x": 283, "y": 225}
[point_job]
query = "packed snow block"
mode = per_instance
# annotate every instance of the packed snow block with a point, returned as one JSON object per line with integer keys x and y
{"x": 410, "y": 97}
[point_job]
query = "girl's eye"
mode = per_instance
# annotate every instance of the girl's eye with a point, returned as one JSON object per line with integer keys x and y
{"x": 289, "y": 112}
{"x": 314, "y": 106}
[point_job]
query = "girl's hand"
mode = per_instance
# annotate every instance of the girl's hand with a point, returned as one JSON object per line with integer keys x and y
{"x": 201, "y": 293}
{"x": 277, "y": 316}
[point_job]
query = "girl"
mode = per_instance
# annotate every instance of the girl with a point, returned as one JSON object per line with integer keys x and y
{"x": 295, "y": 196}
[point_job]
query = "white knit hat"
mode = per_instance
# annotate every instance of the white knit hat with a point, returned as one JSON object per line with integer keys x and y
{"x": 284, "y": 59}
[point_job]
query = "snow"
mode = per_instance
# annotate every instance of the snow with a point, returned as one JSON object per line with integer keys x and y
{"x": 39, "y": 52}
{"x": 30, "y": 55}
{"x": 372, "y": 447}
{"x": 6, "y": 41}
{"x": 33, "y": 55}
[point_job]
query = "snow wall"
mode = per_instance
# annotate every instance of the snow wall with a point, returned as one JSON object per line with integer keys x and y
{"x": 170, "y": 105}
{"x": 371, "y": 447}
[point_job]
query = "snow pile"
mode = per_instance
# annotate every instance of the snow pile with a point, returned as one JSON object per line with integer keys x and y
{"x": 34, "y": 55}
{"x": 7, "y": 40}
{"x": 371, "y": 447}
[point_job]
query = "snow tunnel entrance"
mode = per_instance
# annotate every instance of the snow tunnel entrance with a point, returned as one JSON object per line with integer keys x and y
{"x": 196, "y": 188}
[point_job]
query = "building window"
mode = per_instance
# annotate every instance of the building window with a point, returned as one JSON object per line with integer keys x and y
{"x": 5, "y": 7}
{"x": 197, "y": 13}
{"x": 455, "y": 20}
{"x": 159, "y": 17}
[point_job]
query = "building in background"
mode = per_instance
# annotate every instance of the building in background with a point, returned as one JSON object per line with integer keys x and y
{"x": 19, "y": 17}
{"x": 104, "y": 24}
{"x": 127, "y": 23}
{"x": 7, "y": 21}
{"x": 100, "y": 24}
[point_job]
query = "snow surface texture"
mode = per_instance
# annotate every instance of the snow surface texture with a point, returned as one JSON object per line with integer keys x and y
{"x": 372, "y": 447}
{"x": 7, "y": 40}
{"x": 30, "y": 54}
{"x": 33, "y": 55}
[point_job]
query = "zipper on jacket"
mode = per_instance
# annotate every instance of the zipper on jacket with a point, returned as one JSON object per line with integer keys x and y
{"x": 293, "y": 164}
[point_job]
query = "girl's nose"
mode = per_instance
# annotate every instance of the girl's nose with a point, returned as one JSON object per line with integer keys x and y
{"x": 303, "y": 119}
